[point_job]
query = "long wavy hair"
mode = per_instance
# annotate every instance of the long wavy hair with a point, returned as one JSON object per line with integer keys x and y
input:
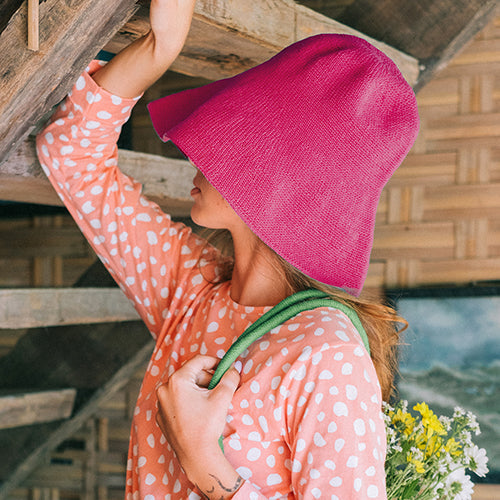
{"x": 381, "y": 322}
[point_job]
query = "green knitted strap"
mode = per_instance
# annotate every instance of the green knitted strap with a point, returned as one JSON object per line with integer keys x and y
{"x": 285, "y": 310}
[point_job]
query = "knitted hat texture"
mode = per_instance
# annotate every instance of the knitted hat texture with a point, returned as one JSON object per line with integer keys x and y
{"x": 301, "y": 146}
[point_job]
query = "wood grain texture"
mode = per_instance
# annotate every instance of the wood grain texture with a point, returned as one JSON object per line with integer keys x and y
{"x": 230, "y": 36}
{"x": 35, "y": 407}
{"x": 166, "y": 181}
{"x": 33, "y": 28}
{"x": 69, "y": 427}
{"x": 32, "y": 82}
{"x": 38, "y": 307}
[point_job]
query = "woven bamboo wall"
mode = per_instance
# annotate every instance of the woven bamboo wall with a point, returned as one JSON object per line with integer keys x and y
{"x": 439, "y": 217}
{"x": 438, "y": 222}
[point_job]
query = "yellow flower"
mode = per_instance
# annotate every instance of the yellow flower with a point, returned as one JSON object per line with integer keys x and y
{"x": 435, "y": 425}
{"x": 405, "y": 419}
{"x": 423, "y": 409}
{"x": 433, "y": 446}
{"x": 429, "y": 420}
{"x": 419, "y": 465}
{"x": 453, "y": 447}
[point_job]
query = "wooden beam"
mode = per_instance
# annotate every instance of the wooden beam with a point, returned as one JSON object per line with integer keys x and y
{"x": 166, "y": 181}
{"x": 39, "y": 307}
{"x": 228, "y": 37}
{"x": 35, "y": 407}
{"x": 69, "y": 427}
{"x": 71, "y": 33}
{"x": 439, "y": 61}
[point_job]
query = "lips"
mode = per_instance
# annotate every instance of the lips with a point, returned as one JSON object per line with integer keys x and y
{"x": 195, "y": 191}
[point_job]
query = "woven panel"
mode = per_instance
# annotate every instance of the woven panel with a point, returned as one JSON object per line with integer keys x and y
{"x": 42, "y": 251}
{"x": 439, "y": 217}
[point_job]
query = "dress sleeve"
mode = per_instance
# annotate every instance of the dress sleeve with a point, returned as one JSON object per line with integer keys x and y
{"x": 156, "y": 262}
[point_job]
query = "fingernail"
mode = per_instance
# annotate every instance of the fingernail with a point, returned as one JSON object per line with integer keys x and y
{"x": 239, "y": 366}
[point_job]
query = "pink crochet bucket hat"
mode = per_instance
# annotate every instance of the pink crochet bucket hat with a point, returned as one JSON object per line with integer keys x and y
{"x": 301, "y": 147}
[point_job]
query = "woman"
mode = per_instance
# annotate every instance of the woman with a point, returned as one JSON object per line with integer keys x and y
{"x": 292, "y": 156}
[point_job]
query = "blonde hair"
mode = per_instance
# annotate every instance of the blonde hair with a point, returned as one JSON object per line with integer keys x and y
{"x": 381, "y": 322}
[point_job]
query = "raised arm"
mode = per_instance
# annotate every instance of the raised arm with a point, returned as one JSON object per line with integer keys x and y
{"x": 138, "y": 66}
{"x": 152, "y": 259}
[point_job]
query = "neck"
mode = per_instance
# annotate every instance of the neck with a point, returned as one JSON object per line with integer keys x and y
{"x": 256, "y": 280}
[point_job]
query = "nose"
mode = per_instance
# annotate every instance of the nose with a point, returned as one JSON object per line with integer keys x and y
{"x": 198, "y": 178}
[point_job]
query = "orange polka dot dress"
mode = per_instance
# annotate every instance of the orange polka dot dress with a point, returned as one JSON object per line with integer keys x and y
{"x": 306, "y": 420}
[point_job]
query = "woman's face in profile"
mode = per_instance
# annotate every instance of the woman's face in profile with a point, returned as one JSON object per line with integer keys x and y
{"x": 210, "y": 209}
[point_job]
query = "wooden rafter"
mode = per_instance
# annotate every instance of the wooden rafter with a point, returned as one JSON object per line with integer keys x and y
{"x": 68, "y": 427}
{"x": 437, "y": 63}
{"x": 96, "y": 360}
{"x": 228, "y": 37}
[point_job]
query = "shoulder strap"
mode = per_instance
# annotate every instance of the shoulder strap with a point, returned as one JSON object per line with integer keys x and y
{"x": 285, "y": 310}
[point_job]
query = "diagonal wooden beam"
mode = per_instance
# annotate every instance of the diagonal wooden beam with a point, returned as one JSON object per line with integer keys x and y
{"x": 229, "y": 36}
{"x": 433, "y": 65}
{"x": 166, "y": 181}
{"x": 39, "y": 307}
{"x": 71, "y": 33}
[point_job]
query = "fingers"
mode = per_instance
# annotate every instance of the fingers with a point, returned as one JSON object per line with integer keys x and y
{"x": 199, "y": 370}
{"x": 223, "y": 392}
{"x": 199, "y": 363}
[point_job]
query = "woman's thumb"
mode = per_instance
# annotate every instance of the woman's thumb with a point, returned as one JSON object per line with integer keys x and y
{"x": 227, "y": 384}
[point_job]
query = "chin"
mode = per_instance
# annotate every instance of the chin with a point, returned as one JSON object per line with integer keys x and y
{"x": 199, "y": 219}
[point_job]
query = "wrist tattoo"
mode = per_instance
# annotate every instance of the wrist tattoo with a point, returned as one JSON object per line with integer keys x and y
{"x": 232, "y": 489}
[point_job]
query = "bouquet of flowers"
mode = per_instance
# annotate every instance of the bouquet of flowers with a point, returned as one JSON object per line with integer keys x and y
{"x": 427, "y": 455}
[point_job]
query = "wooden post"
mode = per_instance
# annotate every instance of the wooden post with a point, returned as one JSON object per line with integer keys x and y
{"x": 33, "y": 21}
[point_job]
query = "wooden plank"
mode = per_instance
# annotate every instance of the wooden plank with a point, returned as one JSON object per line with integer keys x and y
{"x": 462, "y": 127}
{"x": 228, "y": 37}
{"x": 32, "y": 82}
{"x": 459, "y": 271}
{"x": 166, "y": 181}
{"x": 466, "y": 202}
{"x": 477, "y": 142}
{"x": 33, "y": 25}
{"x": 36, "y": 458}
{"x": 86, "y": 357}
{"x": 38, "y": 307}
{"x": 36, "y": 407}
{"x": 426, "y": 169}
{"x": 486, "y": 492}
{"x": 403, "y": 241}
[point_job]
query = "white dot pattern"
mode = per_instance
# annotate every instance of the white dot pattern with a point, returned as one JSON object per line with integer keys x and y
{"x": 305, "y": 422}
